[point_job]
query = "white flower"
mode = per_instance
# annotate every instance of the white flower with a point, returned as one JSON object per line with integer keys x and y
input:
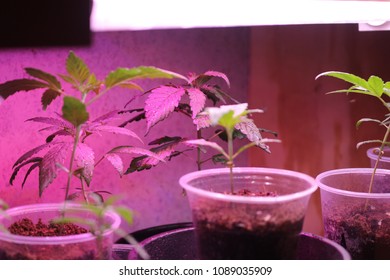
{"x": 216, "y": 113}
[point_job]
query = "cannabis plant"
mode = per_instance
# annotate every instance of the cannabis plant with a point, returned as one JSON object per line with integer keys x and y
{"x": 188, "y": 99}
{"x": 70, "y": 129}
{"x": 230, "y": 118}
{"x": 375, "y": 87}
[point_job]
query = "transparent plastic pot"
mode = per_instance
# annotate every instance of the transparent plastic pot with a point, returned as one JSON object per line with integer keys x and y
{"x": 229, "y": 226}
{"x": 384, "y": 162}
{"x": 355, "y": 218}
{"x": 70, "y": 247}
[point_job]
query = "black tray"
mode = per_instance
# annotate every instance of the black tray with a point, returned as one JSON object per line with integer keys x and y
{"x": 179, "y": 244}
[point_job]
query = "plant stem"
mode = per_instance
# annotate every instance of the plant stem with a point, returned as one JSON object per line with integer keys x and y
{"x": 198, "y": 152}
{"x": 379, "y": 158}
{"x": 70, "y": 173}
{"x": 380, "y": 148}
{"x": 229, "y": 133}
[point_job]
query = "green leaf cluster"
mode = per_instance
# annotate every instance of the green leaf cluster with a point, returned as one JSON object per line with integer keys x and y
{"x": 373, "y": 86}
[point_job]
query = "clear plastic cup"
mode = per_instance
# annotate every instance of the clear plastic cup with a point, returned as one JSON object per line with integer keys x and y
{"x": 72, "y": 247}
{"x": 229, "y": 226}
{"x": 354, "y": 217}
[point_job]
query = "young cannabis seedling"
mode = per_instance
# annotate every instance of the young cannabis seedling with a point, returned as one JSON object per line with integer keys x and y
{"x": 374, "y": 86}
{"x": 73, "y": 125}
{"x": 97, "y": 224}
{"x": 232, "y": 117}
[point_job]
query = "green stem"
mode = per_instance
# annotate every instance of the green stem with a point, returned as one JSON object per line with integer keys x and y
{"x": 380, "y": 148}
{"x": 379, "y": 158}
{"x": 230, "y": 164}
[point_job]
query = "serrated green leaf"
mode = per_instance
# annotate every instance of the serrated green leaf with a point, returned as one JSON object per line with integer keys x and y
{"x": 50, "y": 79}
{"x": 74, "y": 111}
{"x": 386, "y": 88}
{"x": 376, "y": 85}
{"x": 76, "y": 68}
{"x": 122, "y": 75}
{"x": 68, "y": 79}
{"x": 93, "y": 84}
{"x": 350, "y": 78}
{"x": 11, "y": 87}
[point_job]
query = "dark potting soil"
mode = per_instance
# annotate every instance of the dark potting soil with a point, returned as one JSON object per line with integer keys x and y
{"x": 26, "y": 227}
{"x": 363, "y": 231}
{"x": 230, "y": 236}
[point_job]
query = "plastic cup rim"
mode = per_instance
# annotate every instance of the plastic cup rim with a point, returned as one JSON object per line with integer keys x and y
{"x": 351, "y": 171}
{"x": 185, "y": 179}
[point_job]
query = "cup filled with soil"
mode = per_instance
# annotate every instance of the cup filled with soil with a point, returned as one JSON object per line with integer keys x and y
{"x": 355, "y": 216}
{"x": 33, "y": 234}
{"x": 253, "y": 213}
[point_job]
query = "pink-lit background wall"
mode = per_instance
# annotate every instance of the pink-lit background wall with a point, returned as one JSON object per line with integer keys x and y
{"x": 154, "y": 195}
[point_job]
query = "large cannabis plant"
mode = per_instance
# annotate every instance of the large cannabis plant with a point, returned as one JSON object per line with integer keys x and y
{"x": 69, "y": 130}
{"x": 189, "y": 99}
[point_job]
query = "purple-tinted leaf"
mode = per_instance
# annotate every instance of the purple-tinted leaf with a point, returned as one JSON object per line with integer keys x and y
{"x": 48, "y": 168}
{"x": 58, "y": 133}
{"x": 166, "y": 151}
{"x": 166, "y": 140}
{"x": 85, "y": 159}
{"x": 35, "y": 160}
{"x": 115, "y": 130}
{"x": 202, "y": 121}
{"x": 32, "y": 152}
{"x": 107, "y": 117}
{"x": 149, "y": 162}
{"x": 204, "y": 143}
{"x": 197, "y": 101}
{"x": 201, "y": 79}
{"x": 135, "y": 150}
{"x": 116, "y": 161}
{"x": 218, "y": 74}
{"x": 160, "y": 103}
{"x": 137, "y": 118}
{"x": 31, "y": 168}
{"x": 252, "y": 132}
{"x": 48, "y": 96}
{"x": 11, "y": 87}
{"x": 59, "y": 123}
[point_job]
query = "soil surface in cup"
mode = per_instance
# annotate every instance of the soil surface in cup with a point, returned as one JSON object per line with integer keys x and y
{"x": 364, "y": 231}
{"x": 222, "y": 234}
{"x": 26, "y": 227}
